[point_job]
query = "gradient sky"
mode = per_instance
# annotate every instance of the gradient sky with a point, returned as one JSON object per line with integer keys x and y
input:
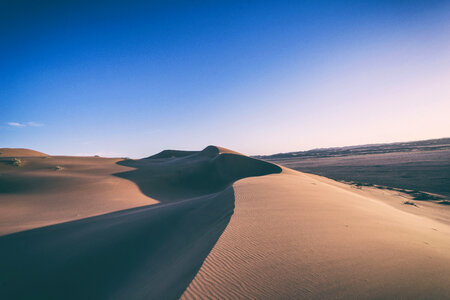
{"x": 124, "y": 78}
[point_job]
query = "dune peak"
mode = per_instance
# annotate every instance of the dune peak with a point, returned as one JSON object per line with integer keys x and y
{"x": 163, "y": 177}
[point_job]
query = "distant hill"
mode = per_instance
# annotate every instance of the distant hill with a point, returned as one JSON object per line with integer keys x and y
{"x": 426, "y": 145}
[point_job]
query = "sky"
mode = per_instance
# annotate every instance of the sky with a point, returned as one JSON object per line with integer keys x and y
{"x": 131, "y": 78}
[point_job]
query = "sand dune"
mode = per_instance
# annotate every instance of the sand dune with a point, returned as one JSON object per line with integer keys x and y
{"x": 200, "y": 225}
{"x": 151, "y": 251}
{"x": 37, "y": 194}
{"x": 295, "y": 237}
{"x": 20, "y": 152}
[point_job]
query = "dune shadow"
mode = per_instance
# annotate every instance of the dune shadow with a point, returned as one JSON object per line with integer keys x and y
{"x": 147, "y": 252}
{"x": 150, "y": 252}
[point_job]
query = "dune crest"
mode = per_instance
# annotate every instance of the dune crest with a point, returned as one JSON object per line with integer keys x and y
{"x": 192, "y": 173}
{"x": 210, "y": 150}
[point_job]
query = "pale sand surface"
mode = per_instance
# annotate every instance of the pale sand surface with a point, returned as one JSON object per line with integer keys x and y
{"x": 294, "y": 236}
{"x": 180, "y": 229}
{"x": 396, "y": 199}
{"x": 36, "y": 194}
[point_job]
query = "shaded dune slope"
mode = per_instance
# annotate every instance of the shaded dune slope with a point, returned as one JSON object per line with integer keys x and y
{"x": 146, "y": 252}
{"x": 194, "y": 173}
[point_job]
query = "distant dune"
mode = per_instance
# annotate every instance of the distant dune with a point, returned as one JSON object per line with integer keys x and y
{"x": 210, "y": 224}
{"x": 20, "y": 152}
{"x": 424, "y": 145}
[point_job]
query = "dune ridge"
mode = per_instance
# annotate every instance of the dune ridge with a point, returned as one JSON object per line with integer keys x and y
{"x": 192, "y": 174}
{"x": 210, "y": 150}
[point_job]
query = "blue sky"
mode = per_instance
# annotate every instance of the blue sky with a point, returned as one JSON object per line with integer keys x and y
{"x": 131, "y": 78}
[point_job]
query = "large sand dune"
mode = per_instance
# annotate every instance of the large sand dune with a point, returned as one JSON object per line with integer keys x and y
{"x": 295, "y": 237}
{"x": 200, "y": 225}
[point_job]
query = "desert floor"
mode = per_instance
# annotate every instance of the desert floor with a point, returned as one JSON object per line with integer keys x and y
{"x": 211, "y": 224}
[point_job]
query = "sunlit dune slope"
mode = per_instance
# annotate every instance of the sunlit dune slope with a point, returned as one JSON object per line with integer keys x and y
{"x": 294, "y": 236}
{"x": 54, "y": 189}
{"x": 12, "y": 152}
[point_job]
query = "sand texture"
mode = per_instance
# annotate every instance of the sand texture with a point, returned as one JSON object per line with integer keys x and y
{"x": 19, "y": 152}
{"x": 210, "y": 224}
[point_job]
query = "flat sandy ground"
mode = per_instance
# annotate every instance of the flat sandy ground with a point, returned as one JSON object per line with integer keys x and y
{"x": 210, "y": 225}
{"x": 419, "y": 170}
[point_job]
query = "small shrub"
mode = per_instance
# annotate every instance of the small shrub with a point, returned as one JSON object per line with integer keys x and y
{"x": 410, "y": 203}
{"x": 17, "y": 162}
